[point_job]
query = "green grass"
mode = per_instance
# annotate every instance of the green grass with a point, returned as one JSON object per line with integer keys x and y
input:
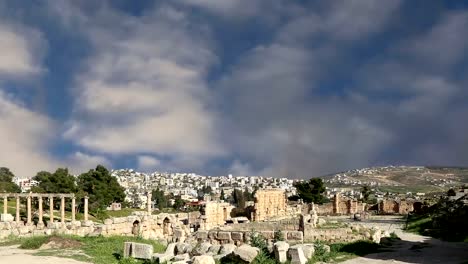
{"x": 344, "y": 251}
{"x": 33, "y": 242}
{"x": 98, "y": 250}
{"x": 418, "y": 224}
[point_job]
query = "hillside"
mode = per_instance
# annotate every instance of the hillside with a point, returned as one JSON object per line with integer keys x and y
{"x": 400, "y": 178}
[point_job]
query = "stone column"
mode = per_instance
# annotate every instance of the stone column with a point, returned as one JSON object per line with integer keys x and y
{"x": 148, "y": 203}
{"x": 29, "y": 209}
{"x": 17, "y": 209}
{"x": 5, "y": 204}
{"x": 73, "y": 209}
{"x": 62, "y": 209}
{"x": 51, "y": 208}
{"x": 86, "y": 208}
{"x": 40, "y": 211}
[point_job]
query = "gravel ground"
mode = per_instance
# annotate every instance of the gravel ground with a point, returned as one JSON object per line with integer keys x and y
{"x": 14, "y": 255}
{"x": 413, "y": 248}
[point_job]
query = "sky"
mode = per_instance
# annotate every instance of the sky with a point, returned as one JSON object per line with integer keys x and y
{"x": 278, "y": 88}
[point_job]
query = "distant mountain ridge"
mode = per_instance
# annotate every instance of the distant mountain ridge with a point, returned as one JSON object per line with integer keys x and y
{"x": 402, "y": 176}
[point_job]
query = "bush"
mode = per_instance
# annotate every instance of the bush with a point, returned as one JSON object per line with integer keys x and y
{"x": 257, "y": 240}
{"x": 263, "y": 258}
{"x": 279, "y": 236}
{"x": 34, "y": 242}
{"x": 321, "y": 254}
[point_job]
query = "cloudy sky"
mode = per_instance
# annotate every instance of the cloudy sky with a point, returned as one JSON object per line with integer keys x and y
{"x": 258, "y": 87}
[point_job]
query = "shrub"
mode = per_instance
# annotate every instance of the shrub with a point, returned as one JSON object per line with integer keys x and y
{"x": 34, "y": 242}
{"x": 257, "y": 240}
{"x": 279, "y": 236}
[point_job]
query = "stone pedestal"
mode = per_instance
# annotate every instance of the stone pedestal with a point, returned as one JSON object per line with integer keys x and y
{"x": 6, "y": 218}
{"x": 281, "y": 250}
{"x": 297, "y": 255}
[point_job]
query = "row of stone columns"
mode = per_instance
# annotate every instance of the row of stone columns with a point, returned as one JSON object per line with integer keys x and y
{"x": 51, "y": 208}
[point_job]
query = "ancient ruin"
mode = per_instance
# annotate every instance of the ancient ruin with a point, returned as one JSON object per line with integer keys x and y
{"x": 269, "y": 204}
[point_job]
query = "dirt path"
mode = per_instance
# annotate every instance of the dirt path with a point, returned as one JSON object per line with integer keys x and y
{"x": 14, "y": 255}
{"x": 415, "y": 248}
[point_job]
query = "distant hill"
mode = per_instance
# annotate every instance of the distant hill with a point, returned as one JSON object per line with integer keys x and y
{"x": 429, "y": 178}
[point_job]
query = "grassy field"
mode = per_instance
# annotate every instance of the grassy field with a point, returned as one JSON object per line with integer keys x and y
{"x": 98, "y": 250}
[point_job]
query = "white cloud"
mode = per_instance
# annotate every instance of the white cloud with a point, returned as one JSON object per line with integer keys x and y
{"x": 23, "y": 136}
{"x": 144, "y": 89}
{"x": 147, "y": 163}
{"x": 80, "y": 162}
{"x": 20, "y": 51}
{"x": 443, "y": 45}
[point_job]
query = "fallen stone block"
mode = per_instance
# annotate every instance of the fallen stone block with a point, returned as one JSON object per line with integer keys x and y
{"x": 171, "y": 249}
{"x": 237, "y": 236}
{"x": 6, "y": 218}
{"x": 294, "y": 235}
{"x": 204, "y": 259}
{"x": 281, "y": 250}
{"x": 246, "y": 253}
{"x": 202, "y": 235}
{"x": 201, "y": 249}
{"x": 162, "y": 257}
{"x": 227, "y": 249}
{"x": 138, "y": 250}
{"x": 182, "y": 248}
{"x": 214, "y": 250}
{"x": 224, "y": 235}
{"x": 185, "y": 257}
{"x": 308, "y": 250}
{"x": 296, "y": 254}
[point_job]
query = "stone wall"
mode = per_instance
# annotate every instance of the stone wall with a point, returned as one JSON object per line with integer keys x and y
{"x": 242, "y": 236}
{"x": 215, "y": 214}
{"x": 390, "y": 206}
{"x": 292, "y": 224}
{"x": 324, "y": 209}
{"x": 171, "y": 227}
{"x": 269, "y": 204}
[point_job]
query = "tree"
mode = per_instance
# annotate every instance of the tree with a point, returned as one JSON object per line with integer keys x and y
{"x": 6, "y": 181}
{"x": 366, "y": 192}
{"x": 61, "y": 181}
{"x": 451, "y": 192}
{"x": 311, "y": 191}
{"x": 239, "y": 198}
{"x": 159, "y": 199}
{"x": 222, "y": 196}
{"x": 101, "y": 188}
{"x": 178, "y": 203}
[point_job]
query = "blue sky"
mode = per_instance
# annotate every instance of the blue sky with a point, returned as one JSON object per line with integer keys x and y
{"x": 257, "y": 87}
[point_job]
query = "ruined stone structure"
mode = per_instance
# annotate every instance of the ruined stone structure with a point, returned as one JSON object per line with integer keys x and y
{"x": 269, "y": 204}
{"x": 215, "y": 214}
{"x": 347, "y": 206}
{"x": 15, "y": 226}
{"x": 40, "y": 199}
{"x": 391, "y": 206}
{"x": 341, "y": 206}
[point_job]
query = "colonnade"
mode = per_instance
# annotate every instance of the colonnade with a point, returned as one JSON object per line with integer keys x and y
{"x": 40, "y": 197}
